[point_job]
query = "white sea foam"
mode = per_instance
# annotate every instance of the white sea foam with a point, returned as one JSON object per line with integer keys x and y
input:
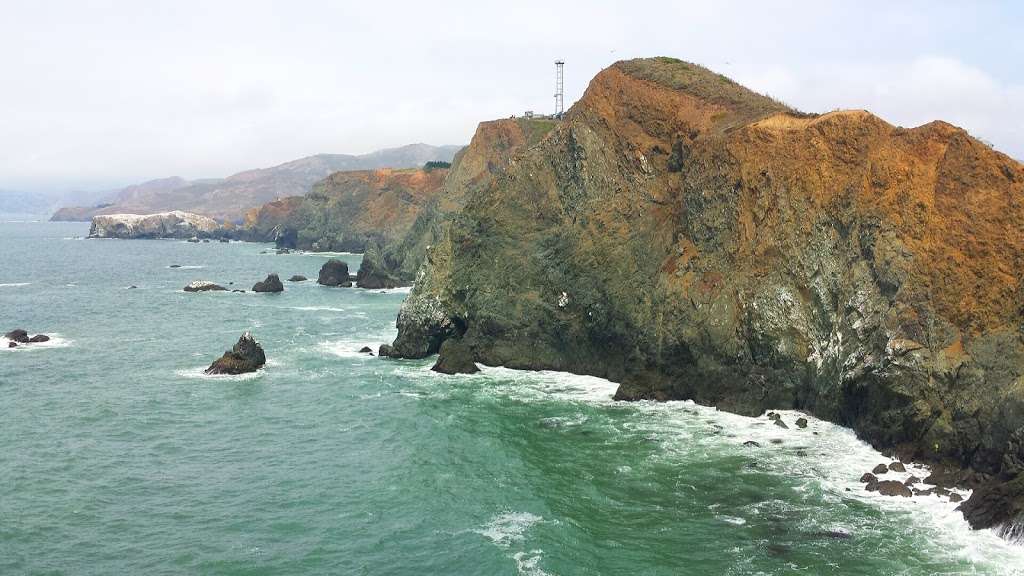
{"x": 198, "y": 372}
{"x": 14, "y": 284}
{"x": 528, "y": 563}
{"x": 508, "y": 528}
{"x": 349, "y": 348}
{"x": 313, "y": 308}
{"x": 824, "y": 457}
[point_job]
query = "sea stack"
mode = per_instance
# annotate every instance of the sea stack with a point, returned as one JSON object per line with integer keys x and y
{"x": 334, "y": 273}
{"x": 246, "y": 356}
{"x": 271, "y": 284}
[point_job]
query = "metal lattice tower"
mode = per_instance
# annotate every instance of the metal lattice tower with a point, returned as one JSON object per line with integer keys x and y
{"x": 559, "y": 89}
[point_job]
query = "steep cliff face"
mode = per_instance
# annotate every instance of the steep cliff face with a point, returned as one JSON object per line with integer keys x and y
{"x": 164, "y": 225}
{"x": 348, "y": 210}
{"x": 688, "y": 238}
{"x": 488, "y": 156}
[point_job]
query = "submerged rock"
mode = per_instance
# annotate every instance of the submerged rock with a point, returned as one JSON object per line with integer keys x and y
{"x": 751, "y": 444}
{"x": 455, "y": 357}
{"x": 203, "y": 286}
{"x": 271, "y": 284}
{"x": 12, "y": 344}
{"x": 246, "y": 356}
{"x": 334, "y": 273}
{"x": 39, "y": 338}
{"x": 366, "y": 350}
{"x": 298, "y": 278}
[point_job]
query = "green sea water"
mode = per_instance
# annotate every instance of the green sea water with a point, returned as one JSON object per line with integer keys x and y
{"x": 117, "y": 456}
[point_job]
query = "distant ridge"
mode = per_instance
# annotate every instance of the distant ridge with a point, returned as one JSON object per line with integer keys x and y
{"x": 229, "y": 198}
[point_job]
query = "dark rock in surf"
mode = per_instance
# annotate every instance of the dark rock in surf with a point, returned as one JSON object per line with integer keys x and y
{"x": 385, "y": 350}
{"x": 911, "y": 481}
{"x": 271, "y": 284}
{"x": 12, "y": 344}
{"x": 175, "y": 266}
{"x": 781, "y": 424}
{"x": 39, "y": 338}
{"x": 897, "y": 467}
{"x": 334, "y": 273}
{"x": 366, "y": 350}
{"x": 455, "y": 358}
{"x": 751, "y": 444}
{"x": 17, "y": 335}
{"x": 246, "y": 356}
{"x": 880, "y": 469}
{"x": 801, "y": 422}
{"x": 893, "y": 488}
{"x": 868, "y": 478}
{"x": 298, "y": 278}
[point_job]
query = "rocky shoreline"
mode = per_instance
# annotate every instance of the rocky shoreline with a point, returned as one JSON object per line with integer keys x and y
{"x": 690, "y": 239}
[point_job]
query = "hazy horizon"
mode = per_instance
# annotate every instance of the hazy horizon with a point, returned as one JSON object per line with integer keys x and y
{"x": 111, "y": 94}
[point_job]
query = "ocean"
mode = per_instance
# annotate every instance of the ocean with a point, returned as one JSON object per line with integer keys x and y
{"x": 118, "y": 456}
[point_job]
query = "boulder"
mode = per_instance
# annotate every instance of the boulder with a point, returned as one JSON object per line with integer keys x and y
{"x": 224, "y": 240}
{"x": 774, "y": 416}
{"x": 954, "y": 497}
{"x": 270, "y": 284}
{"x": 203, "y": 286}
{"x": 175, "y": 266}
{"x": 893, "y": 488}
{"x": 801, "y": 422}
{"x": 12, "y": 344}
{"x": 298, "y": 278}
{"x": 455, "y": 357}
{"x": 911, "y": 481}
{"x": 897, "y": 467}
{"x": 781, "y": 424}
{"x": 334, "y": 273}
{"x": 880, "y": 469}
{"x": 366, "y": 350}
{"x": 246, "y": 356}
{"x": 39, "y": 338}
{"x": 385, "y": 350}
{"x": 868, "y": 478}
{"x": 17, "y": 335}
{"x": 751, "y": 444}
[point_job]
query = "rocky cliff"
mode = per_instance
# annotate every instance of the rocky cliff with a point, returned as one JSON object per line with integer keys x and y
{"x": 175, "y": 224}
{"x": 348, "y": 210}
{"x": 690, "y": 239}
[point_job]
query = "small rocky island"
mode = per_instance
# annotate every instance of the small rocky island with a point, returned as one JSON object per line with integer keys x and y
{"x": 246, "y": 356}
{"x": 175, "y": 224}
{"x": 334, "y": 273}
{"x": 19, "y": 336}
{"x": 272, "y": 283}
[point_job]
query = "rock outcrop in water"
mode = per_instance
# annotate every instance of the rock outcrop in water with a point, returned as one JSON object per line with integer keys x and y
{"x": 203, "y": 286}
{"x": 334, "y": 273}
{"x": 246, "y": 356}
{"x": 271, "y": 284}
{"x": 691, "y": 239}
{"x": 20, "y": 336}
{"x": 174, "y": 224}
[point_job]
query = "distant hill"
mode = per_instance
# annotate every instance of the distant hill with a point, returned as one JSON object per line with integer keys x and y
{"x": 229, "y": 198}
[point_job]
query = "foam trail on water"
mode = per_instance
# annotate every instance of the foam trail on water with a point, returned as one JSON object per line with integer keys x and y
{"x": 14, "y": 284}
{"x": 822, "y": 458}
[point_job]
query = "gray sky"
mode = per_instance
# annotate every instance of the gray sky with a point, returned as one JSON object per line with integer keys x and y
{"x": 97, "y": 94}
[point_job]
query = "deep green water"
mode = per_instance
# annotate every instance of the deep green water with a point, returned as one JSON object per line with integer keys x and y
{"x": 118, "y": 457}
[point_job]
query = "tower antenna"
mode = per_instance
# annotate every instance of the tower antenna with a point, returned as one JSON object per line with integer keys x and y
{"x": 559, "y": 89}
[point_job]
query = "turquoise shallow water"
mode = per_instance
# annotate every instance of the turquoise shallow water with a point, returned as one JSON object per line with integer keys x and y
{"x": 118, "y": 457}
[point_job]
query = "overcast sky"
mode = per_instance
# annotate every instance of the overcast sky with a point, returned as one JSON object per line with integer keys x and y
{"x": 98, "y": 94}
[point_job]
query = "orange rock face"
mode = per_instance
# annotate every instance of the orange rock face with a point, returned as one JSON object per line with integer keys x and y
{"x": 689, "y": 238}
